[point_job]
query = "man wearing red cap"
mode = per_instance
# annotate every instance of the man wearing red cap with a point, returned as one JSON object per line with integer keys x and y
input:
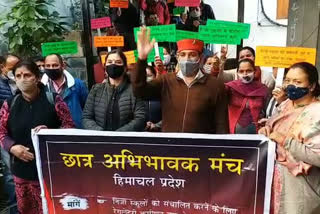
{"x": 191, "y": 101}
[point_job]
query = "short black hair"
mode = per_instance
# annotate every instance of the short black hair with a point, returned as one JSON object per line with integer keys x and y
{"x": 6, "y": 56}
{"x": 249, "y": 49}
{"x": 100, "y": 49}
{"x": 30, "y": 65}
{"x": 58, "y": 56}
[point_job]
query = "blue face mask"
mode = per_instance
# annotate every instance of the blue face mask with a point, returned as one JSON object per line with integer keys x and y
{"x": 295, "y": 93}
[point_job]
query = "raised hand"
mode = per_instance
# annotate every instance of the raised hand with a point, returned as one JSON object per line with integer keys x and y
{"x": 144, "y": 45}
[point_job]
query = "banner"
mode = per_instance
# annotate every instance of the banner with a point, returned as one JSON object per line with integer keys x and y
{"x": 141, "y": 173}
{"x": 284, "y": 57}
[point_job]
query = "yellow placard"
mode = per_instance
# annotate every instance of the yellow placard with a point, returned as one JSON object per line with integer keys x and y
{"x": 129, "y": 55}
{"x": 283, "y": 57}
{"x": 131, "y": 59}
{"x": 103, "y": 59}
{"x": 108, "y": 41}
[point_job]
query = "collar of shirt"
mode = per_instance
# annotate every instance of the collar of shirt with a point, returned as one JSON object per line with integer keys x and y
{"x": 196, "y": 78}
{"x": 58, "y": 88}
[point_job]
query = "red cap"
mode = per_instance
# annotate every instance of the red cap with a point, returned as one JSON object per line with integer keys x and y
{"x": 190, "y": 44}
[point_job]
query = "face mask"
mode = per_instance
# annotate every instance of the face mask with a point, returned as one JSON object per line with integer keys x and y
{"x": 207, "y": 68}
{"x": 114, "y": 71}
{"x": 167, "y": 59}
{"x": 153, "y": 22}
{"x": 294, "y": 92}
{"x": 246, "y": 79}
{"x": 54, "y": 74}
{"x": 26, "y": 85}
{"x": 149, "y": 79}
{"x": 195, "y": 13}
{"x": 189, "y": 68}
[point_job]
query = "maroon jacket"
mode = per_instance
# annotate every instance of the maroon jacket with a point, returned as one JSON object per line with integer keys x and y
{"x": 200, "y": 108}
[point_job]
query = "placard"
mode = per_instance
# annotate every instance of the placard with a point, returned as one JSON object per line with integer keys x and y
{"x": 108, "y": 41}
{"x": 283, "y": 57}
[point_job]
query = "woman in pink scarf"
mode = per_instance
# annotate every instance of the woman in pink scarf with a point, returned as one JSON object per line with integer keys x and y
{"x": 296, "y": 130}
{"x": 247, "y": 100}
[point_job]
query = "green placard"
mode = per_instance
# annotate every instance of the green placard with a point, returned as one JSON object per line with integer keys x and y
{"x": 242, "y": 29}
{"x": 151, "y": 55}
{"x": 178, "y": 10}
{"x": 216, "y": 35}
{"x": 65, "y": 47}
{"x": 161, "y": 33}
{"x": 182, "y": 34}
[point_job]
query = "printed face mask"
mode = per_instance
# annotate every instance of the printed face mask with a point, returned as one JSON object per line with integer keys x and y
{"x": 207, "y": 68}
{"x": 167, "y": 59}
{"x": 295, "y": 93}
{"x": 246, "y": 79}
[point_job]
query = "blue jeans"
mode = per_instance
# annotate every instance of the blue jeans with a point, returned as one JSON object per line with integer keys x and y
{"x": 8, "y": 182}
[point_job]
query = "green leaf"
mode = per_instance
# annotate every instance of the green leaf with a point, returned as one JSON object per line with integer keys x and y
{"x": 21, "y": 11}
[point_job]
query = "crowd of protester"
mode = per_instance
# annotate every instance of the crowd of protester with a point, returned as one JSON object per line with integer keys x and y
{"x": 187, "y": 91}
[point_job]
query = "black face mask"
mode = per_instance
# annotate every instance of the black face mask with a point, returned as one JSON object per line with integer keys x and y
{"x": 114, "y": 71}
{"x": 54, "y": 74}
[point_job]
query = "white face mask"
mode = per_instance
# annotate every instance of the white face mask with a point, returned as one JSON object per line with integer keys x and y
{"x": 26, "y": 85}
{"x": 195, "y": 13}
{"x": 207, "y": 68}
{"x": 149, "y": 79}
{"x": 246, "y": 79}
{"x": 167, "y": 59}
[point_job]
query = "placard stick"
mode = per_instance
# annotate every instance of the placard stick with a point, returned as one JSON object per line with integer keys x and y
{"x": 279, "y": 79}
{"x": 156, "y": 48}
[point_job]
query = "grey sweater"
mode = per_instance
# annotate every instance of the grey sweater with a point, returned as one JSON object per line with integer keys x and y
{"x": 132, "y": 110}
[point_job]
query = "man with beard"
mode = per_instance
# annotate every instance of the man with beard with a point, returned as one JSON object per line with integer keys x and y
{"x": 73, "y": 91}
